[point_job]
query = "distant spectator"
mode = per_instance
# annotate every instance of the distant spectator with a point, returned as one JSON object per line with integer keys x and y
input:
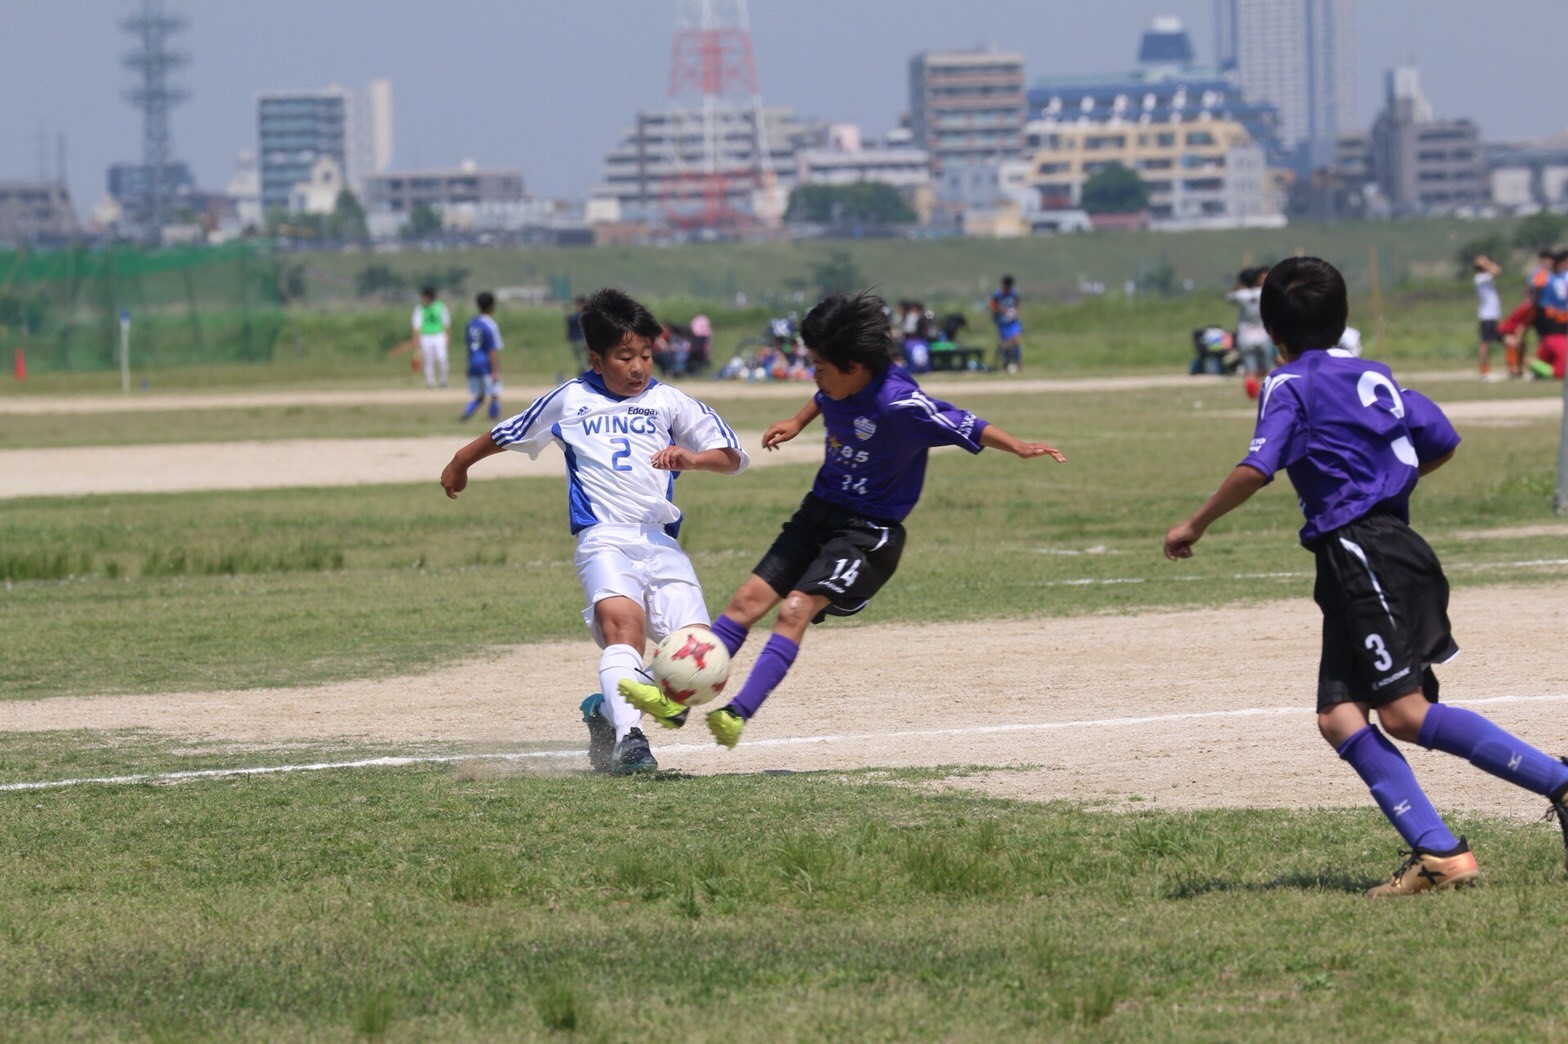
{"x": 1252, "y": 340}
{"x": 1009, "y": 327}
{"x": 1551, "y": 355}
{"x": 1516, "y": 328}
{"x": 484, "y": 367}
{"x": 1489, "y": 310}
{"x": 431, "y": 321}
{"x": 574, "y": 334}
{"x": 952, "y": 323}
{"x": 701, "y": 343}
{"x": 1213, "y": 351}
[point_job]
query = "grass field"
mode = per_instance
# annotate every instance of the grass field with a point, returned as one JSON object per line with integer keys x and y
{"x": 428, "y": 904}
{"x": 1422, "y": 323}
{"x": 478, "y": 901}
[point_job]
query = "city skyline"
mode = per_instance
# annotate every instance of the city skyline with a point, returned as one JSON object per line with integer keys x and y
{"x": 454, "y": 84}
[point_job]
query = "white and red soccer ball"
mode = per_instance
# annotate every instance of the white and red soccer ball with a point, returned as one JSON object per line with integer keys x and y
{"x": 690, "y": 666}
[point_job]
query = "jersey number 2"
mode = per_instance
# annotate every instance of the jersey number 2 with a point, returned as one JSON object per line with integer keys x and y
{"x": 622, "y": 455}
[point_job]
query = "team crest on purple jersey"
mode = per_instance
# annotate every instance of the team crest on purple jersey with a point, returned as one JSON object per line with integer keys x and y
{"x": 865, "y": 427}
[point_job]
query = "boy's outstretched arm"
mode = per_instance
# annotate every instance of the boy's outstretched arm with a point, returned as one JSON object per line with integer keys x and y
{"x": 782, "y": 431}
{"x": 454, "y": 477}
{"x": 1237, "y": 488}
{"x": 674, "y": 458}
{"x": 996, "y": 438}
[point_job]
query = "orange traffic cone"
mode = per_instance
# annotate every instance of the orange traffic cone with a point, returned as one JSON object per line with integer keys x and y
{"x": 19, "y": 366}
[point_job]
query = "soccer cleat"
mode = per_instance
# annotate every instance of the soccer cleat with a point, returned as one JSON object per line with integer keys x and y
{"x": 632, "y": 755}
{"x": 649, "y": 700}
{"x": 1559, "y": 809}
{"x": 601, "y": 734}
{"x": 725, "y": 725}
{"x": 1424, "y": 871}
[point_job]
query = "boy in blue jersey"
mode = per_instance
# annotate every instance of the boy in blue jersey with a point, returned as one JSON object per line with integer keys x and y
{"x": 844, "y": 542}
{"x": 1009, "y": 327}
{"x": 1354, "y": 443}
{"x": 484, "y": 366}
{"x": 626, "y": 437}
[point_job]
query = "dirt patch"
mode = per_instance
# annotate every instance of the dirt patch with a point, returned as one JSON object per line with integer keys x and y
{"x": 1196, "y": 709}
{"x": 284, "y": 463}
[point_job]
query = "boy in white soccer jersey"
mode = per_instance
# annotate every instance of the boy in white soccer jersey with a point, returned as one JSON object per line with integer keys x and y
{"x": 626, "y": 437}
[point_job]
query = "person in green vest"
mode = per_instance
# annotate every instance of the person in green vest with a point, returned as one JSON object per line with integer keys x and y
{"x": 431, "y": 323}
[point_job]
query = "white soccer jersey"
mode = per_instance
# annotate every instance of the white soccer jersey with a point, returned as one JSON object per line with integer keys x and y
{"x": 609, "y": 443}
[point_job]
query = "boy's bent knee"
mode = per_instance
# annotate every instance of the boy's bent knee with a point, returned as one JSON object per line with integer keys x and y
{"x": 1340, "y": 722}
{"x": 621, "y": 622}
{"x": 1402, "y": 717}
{"x": 751, "y": 602}
{"x": 797, "y": 612}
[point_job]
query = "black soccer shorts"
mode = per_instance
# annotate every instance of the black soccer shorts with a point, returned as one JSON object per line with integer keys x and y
{"x": 825, "y": 549}
{"x": 1385, "y": 613}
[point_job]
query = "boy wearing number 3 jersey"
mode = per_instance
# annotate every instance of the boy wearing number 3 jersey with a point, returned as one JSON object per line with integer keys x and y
{"x": 626, "y": 438}
{"x": 844, "y": 542}
{"x": 1353, "y": 443}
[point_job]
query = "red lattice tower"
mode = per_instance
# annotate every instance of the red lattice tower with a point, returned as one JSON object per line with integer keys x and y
{"x": 713, "y": 80}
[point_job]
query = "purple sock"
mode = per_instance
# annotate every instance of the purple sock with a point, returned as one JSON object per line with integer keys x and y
{"x": 1387, "y": 774}
{"x": 1465, "y": 734}
{"x": 771, "y": 666}
{"x": 732, "y": 634}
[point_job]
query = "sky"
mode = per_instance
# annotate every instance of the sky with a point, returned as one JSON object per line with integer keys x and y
{"x": 548, "y": 85}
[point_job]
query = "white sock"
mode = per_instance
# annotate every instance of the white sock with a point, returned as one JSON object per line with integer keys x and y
{"x": 617, "y": 662}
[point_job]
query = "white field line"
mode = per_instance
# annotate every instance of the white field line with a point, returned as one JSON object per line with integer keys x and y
{"x": 694, "y": 748}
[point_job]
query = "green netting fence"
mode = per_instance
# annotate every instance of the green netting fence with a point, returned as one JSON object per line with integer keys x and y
{"x": 187, "y": 305}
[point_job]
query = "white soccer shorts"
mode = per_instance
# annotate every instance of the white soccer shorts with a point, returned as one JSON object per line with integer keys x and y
{"x": 432, "y": 354}
{"x": 645, "y": 564}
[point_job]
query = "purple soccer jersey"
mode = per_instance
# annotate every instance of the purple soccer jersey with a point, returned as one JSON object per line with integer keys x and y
{"x": 1348, "y": 436}
{"x": 877, "y": 440}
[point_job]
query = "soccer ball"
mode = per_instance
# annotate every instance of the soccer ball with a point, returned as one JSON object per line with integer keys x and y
{"x": 690, "y": 666}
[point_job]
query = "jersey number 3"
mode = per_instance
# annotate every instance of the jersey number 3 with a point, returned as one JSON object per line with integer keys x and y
{"x": 1366, "y": 390}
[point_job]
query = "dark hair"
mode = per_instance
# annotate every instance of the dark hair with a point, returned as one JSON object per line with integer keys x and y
{"x": 1007, "y": 280}
{"x": 485, "y": 300}
{"x": 1304, "y": 304}
{"x": 427, "y": 291}
{"x": 609, "y": 315}
{"x": 845, "y": 330}
{"x": 1545, "y": 252}
{"x": 1247, "y": 276}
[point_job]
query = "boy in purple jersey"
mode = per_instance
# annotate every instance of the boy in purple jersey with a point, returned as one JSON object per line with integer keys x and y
{"x": 844, "y": 542}
{"x": 1354, "y": 443}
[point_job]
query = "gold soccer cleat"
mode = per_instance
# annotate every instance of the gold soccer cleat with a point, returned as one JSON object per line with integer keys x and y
{"x": 1431, "y": 872}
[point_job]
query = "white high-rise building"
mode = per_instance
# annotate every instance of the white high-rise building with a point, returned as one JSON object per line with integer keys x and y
{"x": 1299, "y": 56}
{"x": 295, "y": 128}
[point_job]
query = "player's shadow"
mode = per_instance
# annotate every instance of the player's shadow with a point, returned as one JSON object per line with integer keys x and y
{"x": 1325, "y": 880}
